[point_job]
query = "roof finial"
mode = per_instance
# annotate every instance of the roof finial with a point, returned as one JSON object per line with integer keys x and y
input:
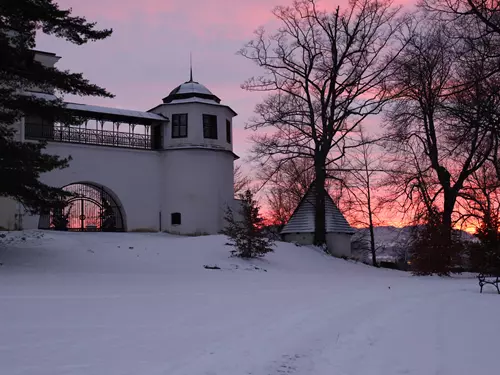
{"x": 190, "y": 67}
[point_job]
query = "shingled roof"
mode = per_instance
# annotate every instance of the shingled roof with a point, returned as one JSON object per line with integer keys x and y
{"x": 302, "y": 220}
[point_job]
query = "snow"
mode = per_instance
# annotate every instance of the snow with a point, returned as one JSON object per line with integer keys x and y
{"x": 100, "y": 109}
{"x": 115, "y": 111}
{"x": 142, "y": 303}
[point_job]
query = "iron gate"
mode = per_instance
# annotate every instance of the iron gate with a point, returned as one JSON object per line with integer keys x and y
{"x": 90, "y": 209}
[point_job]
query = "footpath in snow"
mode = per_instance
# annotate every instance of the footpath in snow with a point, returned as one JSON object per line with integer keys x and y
{"x": 143, "y": 304}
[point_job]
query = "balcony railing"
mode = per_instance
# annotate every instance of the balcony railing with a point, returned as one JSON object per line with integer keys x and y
{"x": 80, "y": 135}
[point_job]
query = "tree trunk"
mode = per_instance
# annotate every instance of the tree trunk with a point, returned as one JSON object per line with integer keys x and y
{"x": 370, "y": 211}
{"x": 319, "y": 217}
{"x": 449, "y": 202}
{"x": 372, "y": 239}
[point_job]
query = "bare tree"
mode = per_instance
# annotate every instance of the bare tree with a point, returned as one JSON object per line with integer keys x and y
{"x": 479, "y": 202}
{"x": 486, "y": 11}
{"x": 325, "y": 73}
{"x": 359, "y": 194}
{"x": 440, "y": 113}
{"x": 241, "y": 181}
{"x": 287, "y": 184}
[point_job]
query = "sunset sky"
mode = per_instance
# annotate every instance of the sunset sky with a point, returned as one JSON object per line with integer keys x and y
{"x": 148, "y": 54}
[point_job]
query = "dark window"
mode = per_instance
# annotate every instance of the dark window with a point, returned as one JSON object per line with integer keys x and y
{"x": 180, "y": 125}
{"x": 176, "y": 218}
{"x": 156, "y": 137}
{"x": 36, "y": 127}
{"x": 228, "y": 131}
{"x": 210, "y": 126}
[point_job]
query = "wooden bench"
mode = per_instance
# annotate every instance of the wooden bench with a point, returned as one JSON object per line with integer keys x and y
{"x": 488, "y": 278}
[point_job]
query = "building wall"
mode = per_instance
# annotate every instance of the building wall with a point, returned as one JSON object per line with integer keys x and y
{"x": 131, "y": 175}
{"x": 339, "y": 244}
{"x": 195, "y": 113}
{"x": 199, "y": 185}
{"x": 300, "y": 238}
{"x": 8, "y": 209}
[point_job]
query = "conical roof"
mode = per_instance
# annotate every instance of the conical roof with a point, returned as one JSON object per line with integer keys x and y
{"x": 302, "y": 220}
{"x": 190, "y": 89}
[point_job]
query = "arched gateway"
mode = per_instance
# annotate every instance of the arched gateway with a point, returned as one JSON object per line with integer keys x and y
{"x": 92, "y": 208}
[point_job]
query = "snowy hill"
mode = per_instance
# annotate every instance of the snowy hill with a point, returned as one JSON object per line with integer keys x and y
{"x": 139, "y": 303}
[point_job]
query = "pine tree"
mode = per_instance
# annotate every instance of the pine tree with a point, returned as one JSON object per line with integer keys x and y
{"x": 22, "y": 163}
{"x": 246, "y": 234}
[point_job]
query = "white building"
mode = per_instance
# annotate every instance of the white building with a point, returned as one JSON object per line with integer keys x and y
{"x": 300, "y": 227}
{"x": 167, "y": 169}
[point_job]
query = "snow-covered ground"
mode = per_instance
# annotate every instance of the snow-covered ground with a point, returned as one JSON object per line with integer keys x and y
{"x": 143, "y": 304}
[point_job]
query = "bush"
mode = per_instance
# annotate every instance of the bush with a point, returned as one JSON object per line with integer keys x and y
{"x": 246, "y": 234}
{"x": 435, "y": 249}
{"x": 485, "y": 256}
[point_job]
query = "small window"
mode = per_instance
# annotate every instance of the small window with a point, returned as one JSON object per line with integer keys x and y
{"x": 228, "y": 131}
{"x": 176, "y": 218}
{"x": 210, "y": 126}
{"x": 179, "y": 125}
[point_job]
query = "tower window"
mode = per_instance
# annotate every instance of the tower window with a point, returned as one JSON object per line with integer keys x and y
{"x": 228, "y": 131}
{"x": 179, "y": 125}
{"x": 210, "y": 126}
{"x": 176, "y": 218}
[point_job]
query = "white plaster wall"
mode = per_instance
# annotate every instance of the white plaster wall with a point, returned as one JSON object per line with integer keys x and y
{"x": 195, "y": 113}
{"x": 7, "y": 213}
{"x": 339, "y": 244}
{"x": 300, "y": 238}
{"x": 199, "y": 185}
{"x": 132, "y": 175}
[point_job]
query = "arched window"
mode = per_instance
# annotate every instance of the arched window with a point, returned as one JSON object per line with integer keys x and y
{"x": 176, "y": 218}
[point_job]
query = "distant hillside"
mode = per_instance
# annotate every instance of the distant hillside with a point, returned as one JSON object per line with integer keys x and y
{"x": 390, "y": 241}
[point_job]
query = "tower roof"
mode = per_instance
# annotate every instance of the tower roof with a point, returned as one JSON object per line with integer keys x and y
{"x": 190, "y": 89}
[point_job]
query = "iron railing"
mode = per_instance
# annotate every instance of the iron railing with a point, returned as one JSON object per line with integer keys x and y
{"x": 72, "y": 134}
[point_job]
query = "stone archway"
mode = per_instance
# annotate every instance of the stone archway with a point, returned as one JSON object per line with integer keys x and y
{"x": 92, "y": 208}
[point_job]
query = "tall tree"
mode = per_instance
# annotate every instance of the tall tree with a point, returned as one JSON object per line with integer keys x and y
{"x": 22, "y": 163}
{"x": 325, "y": 73}
{"x": 360, "y": 183}
{"x": 479, "y": 203}
{"x": 286, "y": 183}
{"x": 443, "y": 111}
{"x": 486, "y": 11}
{"x": 241, "y": 181}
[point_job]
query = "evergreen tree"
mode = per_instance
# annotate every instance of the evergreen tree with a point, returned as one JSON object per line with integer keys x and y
{"x": 22, "y": 163}
{"x": 246, "y": 234}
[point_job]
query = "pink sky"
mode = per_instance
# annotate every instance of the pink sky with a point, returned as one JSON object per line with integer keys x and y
{"x": 148, "y": 54}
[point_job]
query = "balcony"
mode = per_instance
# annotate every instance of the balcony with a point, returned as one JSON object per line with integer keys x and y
{"x": 100, "y": 137}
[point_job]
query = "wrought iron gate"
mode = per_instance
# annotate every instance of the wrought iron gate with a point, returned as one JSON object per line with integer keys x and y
{"x": 90, "y": 209}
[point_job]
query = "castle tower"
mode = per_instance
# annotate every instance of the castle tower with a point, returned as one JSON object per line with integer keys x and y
{"x": 197, "y": 160}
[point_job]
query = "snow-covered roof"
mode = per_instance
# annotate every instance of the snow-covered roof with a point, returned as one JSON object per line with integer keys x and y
{"x": 196, "y": 100}
{"x": 201, "y": 147}
{"x": 302, "y": 220}
{"x": 192, "y": 100}
{"x": 190, "y": 90}
{"x": 115, "y": 111}
{"x": 101, "y": 110}
{"x": 191, "y": 87}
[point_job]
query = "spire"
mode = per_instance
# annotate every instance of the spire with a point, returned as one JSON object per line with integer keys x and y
{"x": 190, "y": 67}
